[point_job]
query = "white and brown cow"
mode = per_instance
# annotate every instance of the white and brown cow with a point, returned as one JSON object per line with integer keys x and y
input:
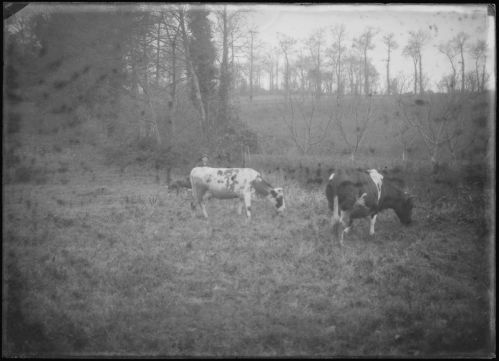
{"x": 225, "y": 183}
{"x": 359, "y": 193}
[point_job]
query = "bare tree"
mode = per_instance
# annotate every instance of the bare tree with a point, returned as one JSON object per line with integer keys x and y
{"x": 354, "y": 72}
{"x": 364, "y": 43}
{"x": 224, "y": 83}
{"x": 417, "y": 40}
{"x": 405, "y": 135}
{"x": 450, "y": 52}
{"x": 410, "y": 50}
{"x": 438, "y": 121}
{"x": 180, "y": 14}
{"x": 338, "y": 50}
{"x": 303, "y": 123}
{"x": 479, "y": 53}
{"x": 145, "y": 55}
{"x": 276, "y": 52}
{"x": 252, "y": 35}
{"x": 357, "y": 111}
{"x": 173, "y": 36}
{"x": 390, "y": 44}
{"x": 302, "y": 68}
{"x": 286, "y": 44}
{"x": 268, "y": 63}
{"x": 459, "y": 42}
{"x": 400, "y": 83}
{"x": 315, "y": 45}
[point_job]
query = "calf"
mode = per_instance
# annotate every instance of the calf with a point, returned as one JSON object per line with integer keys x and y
{"x": 355, "y": 194}
{"x": 225, "y": 183}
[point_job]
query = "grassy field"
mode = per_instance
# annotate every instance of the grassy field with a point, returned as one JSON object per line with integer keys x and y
{"x": 101, "y": 264}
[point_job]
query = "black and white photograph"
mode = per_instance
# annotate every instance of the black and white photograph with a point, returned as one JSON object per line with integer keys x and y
{"x": 281, "y": 180}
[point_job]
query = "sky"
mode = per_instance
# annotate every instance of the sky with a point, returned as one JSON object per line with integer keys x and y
{"x": 443, "y": 22}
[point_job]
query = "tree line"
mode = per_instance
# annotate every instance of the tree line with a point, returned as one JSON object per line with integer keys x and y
{"x": 321, "y": 64}
{"x": 143, "y": 63}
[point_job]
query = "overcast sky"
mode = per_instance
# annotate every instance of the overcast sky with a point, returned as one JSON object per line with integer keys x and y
{"x": 442, "y": 22}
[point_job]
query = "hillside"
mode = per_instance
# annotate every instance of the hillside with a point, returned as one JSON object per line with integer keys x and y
{"x": 270, "y": 117}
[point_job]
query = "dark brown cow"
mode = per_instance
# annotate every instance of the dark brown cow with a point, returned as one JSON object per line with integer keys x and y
{"x": 363, "y": 193}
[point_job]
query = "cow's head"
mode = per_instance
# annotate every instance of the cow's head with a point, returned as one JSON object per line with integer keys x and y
{"x": 404, "y": 208}
{"x": 276, "y": 196}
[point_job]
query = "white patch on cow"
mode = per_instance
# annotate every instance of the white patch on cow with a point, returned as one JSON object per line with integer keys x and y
{"x": 361, "y": 201}
{"x": 377, "y": 179}
{"x": 331, "y": 176}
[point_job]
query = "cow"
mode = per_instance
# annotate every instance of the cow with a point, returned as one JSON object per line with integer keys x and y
{"x": 226, "y": 183}
{"x": 353, "y": 194}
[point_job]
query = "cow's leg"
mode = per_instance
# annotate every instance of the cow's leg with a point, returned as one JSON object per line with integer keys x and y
{"x": 372, "y": 223}
{"x": 240, "y": 206}
{"x": 247, "y": 204}
{"x": 346, "y": 223}
{"x": 345, "y": 220}
{"x": 203, "y": 200}
{"x": 335, "y": 219}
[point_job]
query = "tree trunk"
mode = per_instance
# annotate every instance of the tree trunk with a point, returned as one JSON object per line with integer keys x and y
{"x": 158, "y": 49}
{"x": 224, "y": 75}
{"x": 251, "y": 68}
{"x": 366, "y": 75}
{"x": 319, "y": 75}
{"x": 482, "y": 87}
{"x": 277, "y": 74}
{"x": 415, "y": 75}
{"x": 192, "y": 73}
{"x": 286, "y": 77}
{"x": 462, "y": 69}
{"x": 172, "y": 102}
{"x": 153, "y": 123}
{"x": 388, "y": 73}
{"x": 421, "y": 90}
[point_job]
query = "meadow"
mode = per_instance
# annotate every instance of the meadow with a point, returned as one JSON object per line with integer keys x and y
{"x": 101, "y": 262}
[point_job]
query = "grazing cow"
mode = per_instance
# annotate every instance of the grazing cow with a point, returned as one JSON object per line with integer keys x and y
{"x": 358, "y": 193}
{"x": 224, "y": 183}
